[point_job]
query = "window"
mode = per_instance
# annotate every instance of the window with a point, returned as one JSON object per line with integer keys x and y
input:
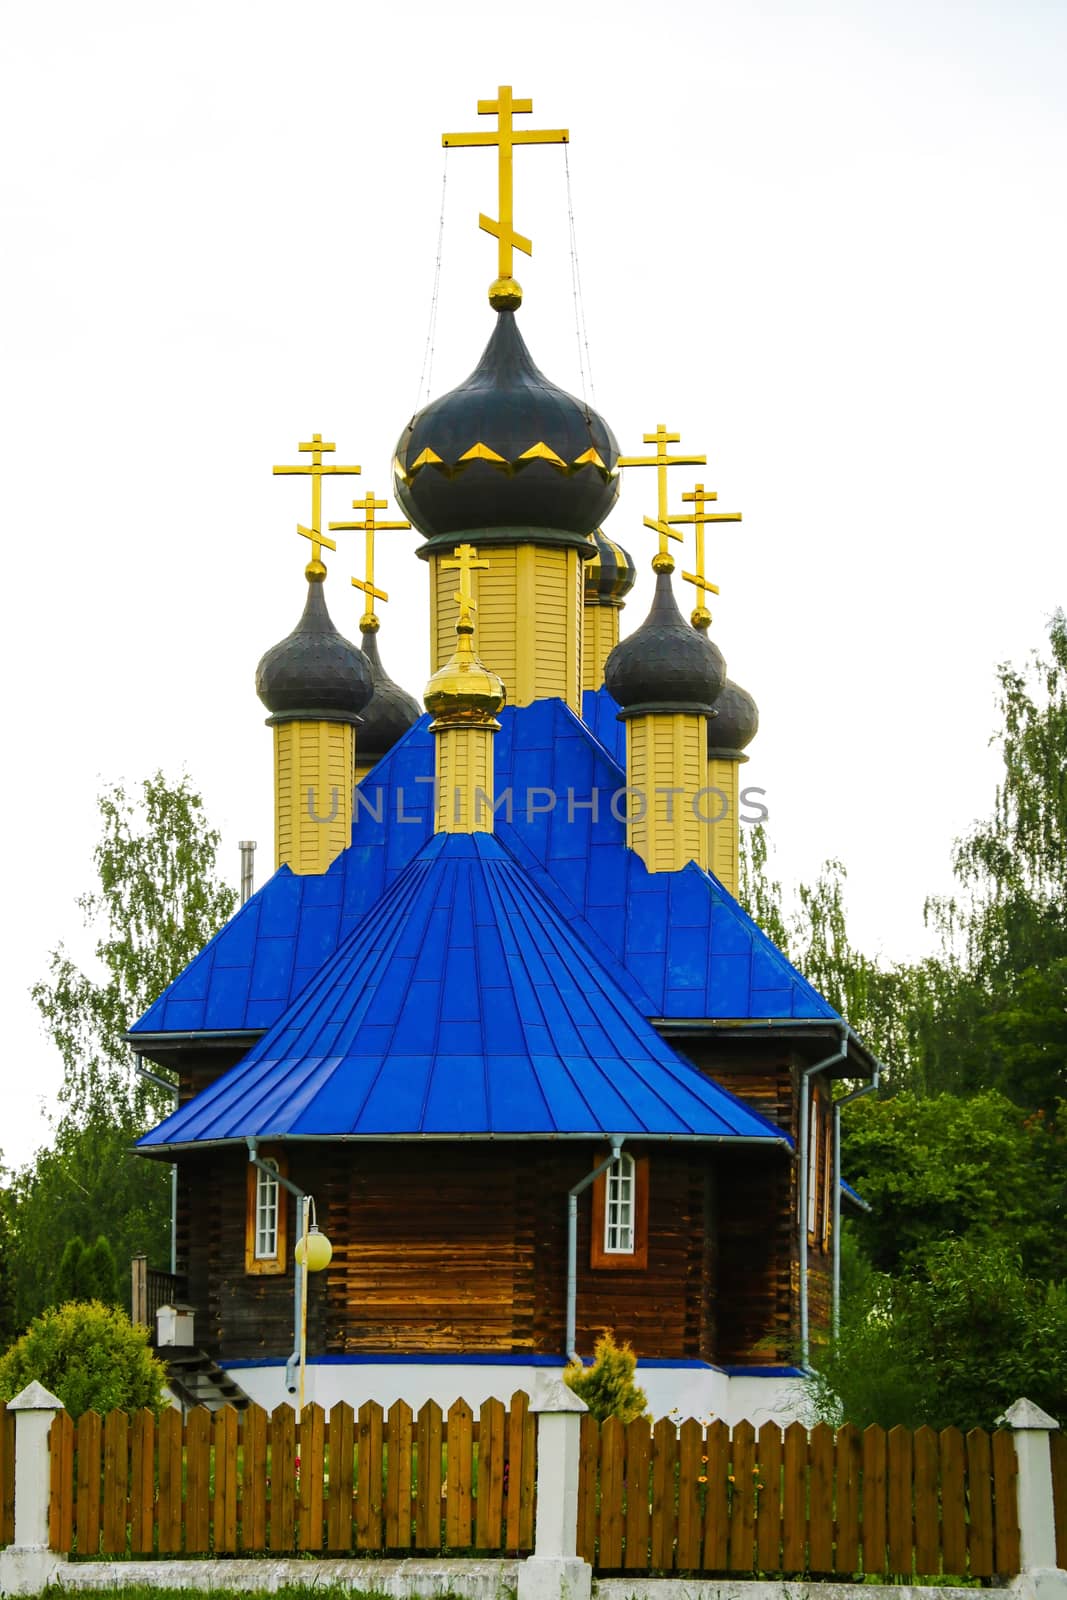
{"x": 265, "y": 1217}
{"x": 620, "y": 1215}
{"x": 814, "y": 1130}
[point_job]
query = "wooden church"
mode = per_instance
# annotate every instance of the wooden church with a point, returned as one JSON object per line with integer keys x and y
{"x": 498, "y": 1013}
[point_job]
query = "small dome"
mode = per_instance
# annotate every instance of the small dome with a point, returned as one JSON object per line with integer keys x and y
{"x": 390, "y": 711}
{"x": 314, "y": 672}
{"x": 735, "y": 723}
{"x": 506, "y": 452}
{"x": 665, "y": 665}
{"x": 464, "y": 689}
{"x": 610, "y": 575}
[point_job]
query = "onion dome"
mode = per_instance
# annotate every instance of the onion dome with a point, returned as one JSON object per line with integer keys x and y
{"x": 734, "y": 724}
{"x": 390, "y": 712}
{"x": 504, "y": 454}
{"x": 314, "y": 674}
{"x": 610, "y": 575}
{"x": 464, "y": 690}
{"x": 665, "y": 665}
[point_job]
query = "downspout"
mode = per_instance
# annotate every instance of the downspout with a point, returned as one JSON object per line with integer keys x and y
{"x": 846, "y": 1099}
{"x": 299, "y": 1273}
{"x": 840, "y": 1054}
{"x": 572, "y": 1243}
{"x": 171, "y": 1088}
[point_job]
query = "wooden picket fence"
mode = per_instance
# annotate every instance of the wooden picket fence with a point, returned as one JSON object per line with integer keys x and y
{"x": 7, "y": 1475}
{"x": 668, "y": 1499}
{"x": 364, "y": 1480}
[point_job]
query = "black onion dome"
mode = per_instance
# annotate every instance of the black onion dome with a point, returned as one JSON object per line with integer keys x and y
{"x": 504, "y": 453}
{"x": 389, "y": 713}
{"x": 665, "y": 665}
{"x": 735, "y": 723}
{"x": 314, "y": 672}
{"x": 610, "y": 575}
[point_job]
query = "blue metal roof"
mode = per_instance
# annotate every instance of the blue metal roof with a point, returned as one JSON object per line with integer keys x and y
{"x": 462, "y": 1005}
{"x": 677, "y": 943}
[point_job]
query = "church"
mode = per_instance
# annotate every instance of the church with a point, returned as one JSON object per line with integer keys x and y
{"x": 497, "y": 1049}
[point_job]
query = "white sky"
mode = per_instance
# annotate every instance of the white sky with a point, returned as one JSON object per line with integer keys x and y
{"x": 827, "y": 244}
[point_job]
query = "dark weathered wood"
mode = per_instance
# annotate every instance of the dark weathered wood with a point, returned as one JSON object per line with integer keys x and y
{"x": 142, "y": 1482}
{"x": 742, "y": 1554}
{"x": 198, "y": 1481}
{"x": 90, "y": 1466}
{"x": 612, "y": 1479}
{"x": 282, "y": 1479}
{"x": 61, "y": 1487}
{"x": 588, "y": 1487}
{"x": 795, "y": 1498}
{"x": 638, "y": 1494}
{"x": 224, "y": 1500}
{"x": 169, "y": 1512}
{"x": 252, "y": 1432}
{"x": 716, "y": 1470}
{"x": 821, "y": 1499}
{"x": 398, "y": 1437}
{"x": 429, "y": 1437}
{"x": 980, "y": 1500}
{"x": 873, "y": 1524}
{"x": 489, "y": 1503}
{"x": 342, "y": 1478}
{"x": 953, "y": 1503}
{"x": 847, "y": 1487}
{"x": 1005, "y": 1504}
{"x": 769, "y": 1502}
{"x": 927, "y": 1518}
{"x": 901, "y": 1533}
{"x": 664, "y": 1516}
{"x": 690, "y": 1495}
{"x": 1058, "y": 1444}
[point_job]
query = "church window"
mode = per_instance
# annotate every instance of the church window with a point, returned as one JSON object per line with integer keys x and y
{"x": 265, "y": 1217}
{"x": 814, "y": 1139}
{"x": 619, "y": 1208}
{"x": 266, "y": 1213}
{"x": 620, "y": 1215}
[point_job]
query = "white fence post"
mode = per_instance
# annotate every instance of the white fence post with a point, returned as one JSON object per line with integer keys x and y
{"x": 27, "y": 1566}
{"x": 1039, "y": 1576}
{"x": 554, "y": 1571}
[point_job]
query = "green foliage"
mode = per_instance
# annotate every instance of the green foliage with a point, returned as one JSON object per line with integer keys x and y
{"x": 8, "y": 1317}
{"x": 88, "y": 1354}
{"x": 951, "y": 1342}
{"x": 608, "y": 1387}
{"x": 87, "y": 1272}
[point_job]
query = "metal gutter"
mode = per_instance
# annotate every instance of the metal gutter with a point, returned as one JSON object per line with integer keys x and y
{"x": 783, "y": 1141}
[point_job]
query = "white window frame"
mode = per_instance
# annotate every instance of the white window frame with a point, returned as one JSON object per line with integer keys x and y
{"x": 813, "y": 1161}
{"x": 268, "y": 1194}
{"x": 620, "y": 1206}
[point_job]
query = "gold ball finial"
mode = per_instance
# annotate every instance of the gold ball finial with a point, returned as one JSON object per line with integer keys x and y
{"x": 369, "y": 622}
{"x": 315, "y": 571}
{"x": 701, "y": 619}
{"x": 663, "y": 561}
{"x": 505, "y": 294}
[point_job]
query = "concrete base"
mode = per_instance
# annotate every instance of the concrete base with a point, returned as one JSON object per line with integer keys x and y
{"x": 1046, "y": 1583}
{"x": 28, "y": 1570}
{"x": 800, "y": 1589}
{"x": 549, "y": 1578}
{"x": 403, "y": 1580}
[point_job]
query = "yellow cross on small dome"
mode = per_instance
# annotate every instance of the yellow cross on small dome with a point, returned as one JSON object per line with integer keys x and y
{"x": 466, "y": 562}
{"x": 369, "y": 526}
{"x": 663, "y": 561}
{"x": 316, "y": 448}
{"x": 700, "y": 498}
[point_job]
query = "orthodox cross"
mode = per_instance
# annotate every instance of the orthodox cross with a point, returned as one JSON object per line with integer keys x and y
{"x": 315, "y": 471}
{"x": 467, "y": 563}
{"x": 663, "y": 561}
{"x": 369, "y": 526}
{"x": 700, "y": 516}
{"x": 506, "y": 137}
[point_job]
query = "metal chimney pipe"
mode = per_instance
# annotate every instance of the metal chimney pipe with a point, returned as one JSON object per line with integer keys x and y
{"x": 247, "y": 848}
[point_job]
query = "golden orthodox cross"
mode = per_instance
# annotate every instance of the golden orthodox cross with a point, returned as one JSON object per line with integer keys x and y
{"x": 316, "y": 471}
{"x": 506, "y": 137}
{"x": 700, "y": 516}
{"x": 661, "y": 461}
{"x": 369, "y": 526}
{"x": 467, "y": 563}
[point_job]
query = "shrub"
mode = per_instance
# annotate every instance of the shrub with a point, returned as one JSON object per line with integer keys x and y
{"x": 88, "y": 1354}
{"x": 608, "y": 1386}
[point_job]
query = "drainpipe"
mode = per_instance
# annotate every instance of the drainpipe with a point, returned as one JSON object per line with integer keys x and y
{"x": 840, "y": 1054}
{"x": 572, "y": 1242}
{"x": 846, "y": 1099}
{"x": 172, "y": 1089}
{"x": 299, "y": 1273}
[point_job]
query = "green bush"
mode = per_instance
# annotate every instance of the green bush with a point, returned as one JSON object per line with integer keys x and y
{"x": 88, "y": 1354}
{"x": 608, "y": 1386}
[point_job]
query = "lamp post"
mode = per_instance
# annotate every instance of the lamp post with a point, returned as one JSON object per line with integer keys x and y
{"x": 312, "y": 1254}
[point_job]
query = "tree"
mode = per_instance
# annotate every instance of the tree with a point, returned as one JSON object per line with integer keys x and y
{"x": 608, "y": 1387}
{"x": 88, "y": 1354}
{"x": 87, "y": 1272}
{"x": 8, "y": 1320}
{"x": 157, "y": 903}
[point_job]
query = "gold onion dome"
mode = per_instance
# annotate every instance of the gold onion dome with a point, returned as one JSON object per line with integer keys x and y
{"x": 610, "y": 575}
{"x": 735, "y": 723}
{"x": 505, "y": 453}
{"x": 665, "y": 665}
{"x": 464, "y": 689}
{"x": 390, "y": 712}
{"x": 314, "y": 672}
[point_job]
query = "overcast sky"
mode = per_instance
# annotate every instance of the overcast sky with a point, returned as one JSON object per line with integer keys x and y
{"x": 825, "y": 244}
